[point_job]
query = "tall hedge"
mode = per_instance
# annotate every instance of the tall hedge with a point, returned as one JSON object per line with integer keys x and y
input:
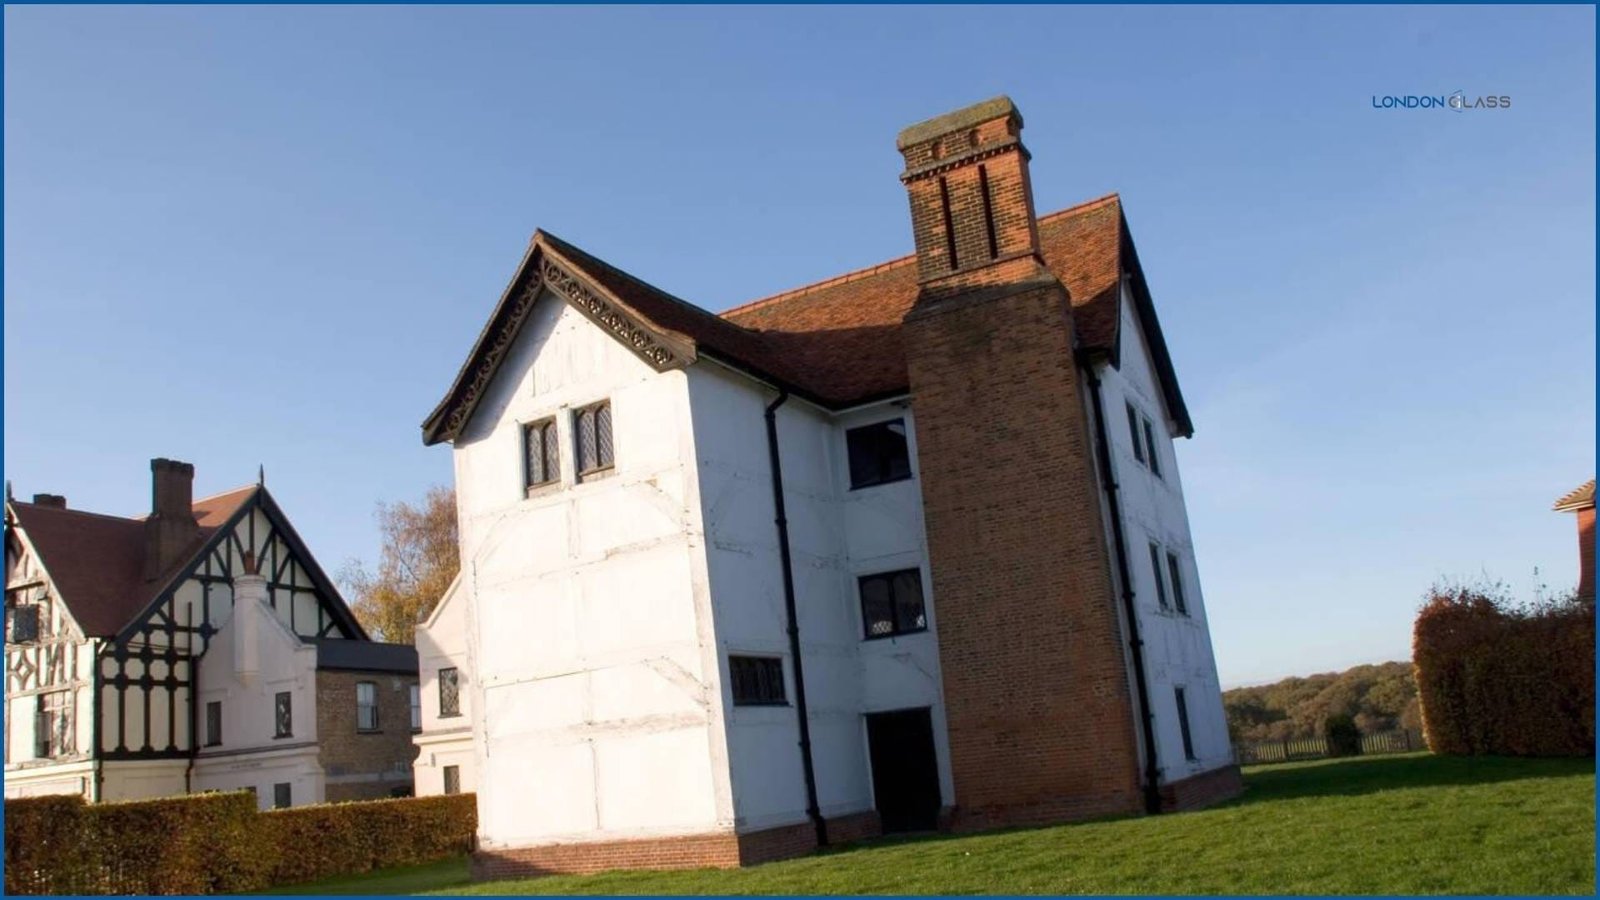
{"x": 218, "y": 843}
{"x": 1496, "y": 678}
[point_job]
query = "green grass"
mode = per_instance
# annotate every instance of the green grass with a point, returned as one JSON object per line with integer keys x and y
{"x": 1414, "y": 824}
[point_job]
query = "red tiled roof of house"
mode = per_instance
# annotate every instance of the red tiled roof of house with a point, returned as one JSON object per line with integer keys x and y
{"x": 1580, "y": 497}
{"x": 97, "y": 561}
{"x": 838, "y": 341}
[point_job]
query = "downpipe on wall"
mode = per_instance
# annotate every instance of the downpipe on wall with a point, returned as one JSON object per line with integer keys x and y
{"x": 813, "y": 810}
{"x": 1152, "y": 772}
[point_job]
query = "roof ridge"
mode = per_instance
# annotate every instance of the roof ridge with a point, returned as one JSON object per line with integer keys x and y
{"x": 634, "y": 278}
{"x": 76, "y": 512}
{"x": 891, "y": 263}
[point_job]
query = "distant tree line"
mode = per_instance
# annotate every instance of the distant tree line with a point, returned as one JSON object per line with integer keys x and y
{"x": 1377, "y": 697}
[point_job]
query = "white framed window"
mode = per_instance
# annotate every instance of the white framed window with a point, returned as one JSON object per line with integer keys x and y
{"x": 366, "y": 706}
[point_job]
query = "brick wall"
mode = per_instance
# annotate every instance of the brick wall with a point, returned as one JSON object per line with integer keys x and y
{"x": 721, "y": 850}
{"x": 1586, "y": 553}
{"x": 364, "y": 765}
{"x": 1202, "y": 790}
{"x": 1036, "y": 688}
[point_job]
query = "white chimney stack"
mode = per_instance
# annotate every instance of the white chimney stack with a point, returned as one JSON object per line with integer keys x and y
{"x": 249, "y": 599}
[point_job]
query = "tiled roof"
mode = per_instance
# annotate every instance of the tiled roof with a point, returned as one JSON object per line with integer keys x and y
{"x": 838, "y": 341}
{"x": 97, "y": 561}
{"x": 1580, "y": 497}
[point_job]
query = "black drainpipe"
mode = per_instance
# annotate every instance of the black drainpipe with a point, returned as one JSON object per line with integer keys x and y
{"x": 1152, "y": 773}
{"x": 812, "y": 809}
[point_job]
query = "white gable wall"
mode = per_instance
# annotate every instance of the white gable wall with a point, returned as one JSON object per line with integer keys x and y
{"x": 442, "y": 642}
{"x": 251, "y": 755}
{"x": 1177, "y": 648}
{"x": 835, "y": 536}
{"x": 596, "y": 677}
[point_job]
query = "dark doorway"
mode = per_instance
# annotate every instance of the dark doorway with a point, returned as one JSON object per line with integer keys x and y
{"x": 905, "y": 775}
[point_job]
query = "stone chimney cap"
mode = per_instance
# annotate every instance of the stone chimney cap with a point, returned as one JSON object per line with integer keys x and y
{"x": 938, "y": 126}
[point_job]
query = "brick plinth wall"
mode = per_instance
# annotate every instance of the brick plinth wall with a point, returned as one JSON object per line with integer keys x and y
{"x": 1036, "y": 686}
{"x": 1202, "y": 790}
{"x": 721, "y": 850}
{"x": 1586, "y": 553}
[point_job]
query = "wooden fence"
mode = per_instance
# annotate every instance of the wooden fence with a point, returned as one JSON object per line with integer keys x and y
{"x": 1398, "y": 741}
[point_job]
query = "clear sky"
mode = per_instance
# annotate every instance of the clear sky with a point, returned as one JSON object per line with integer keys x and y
{"x": 243, "y": 236}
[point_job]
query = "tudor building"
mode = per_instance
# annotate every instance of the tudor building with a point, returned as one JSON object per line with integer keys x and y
{"x": 198, "y": 648}
{"x": 903, "y": 549}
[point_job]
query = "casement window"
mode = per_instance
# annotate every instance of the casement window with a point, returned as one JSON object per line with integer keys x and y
{"x": 54, "y": 729}
{"x": 366, "y": 706}
{"x": 1155, "y": 570}
{"x": 891, "y": 603}
{"x": 1154, "y": 458}
{"x": 416, "y": 707}
{"x": 1177, "y": 584}
{"x": 283, "y": 714}
{"x": 541, "y": 460}
{"x": 213, "y": 723}
{"x": 452, "y": 779}
{"x": 1183, "y": 723}
{"x": 23, "y": 624}
{"x": 281, "y": 795}
{"x": 757, "y": 681}
{"x": 1134, "y": 419}
{"x": 449, "y": 693}
{"x": 591, "y": 430}
{"x": 1142, "y": 434}
{"x": 878, "y": 453}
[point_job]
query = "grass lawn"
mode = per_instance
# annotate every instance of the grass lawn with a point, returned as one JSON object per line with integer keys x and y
{"x": 1413, "y": 824}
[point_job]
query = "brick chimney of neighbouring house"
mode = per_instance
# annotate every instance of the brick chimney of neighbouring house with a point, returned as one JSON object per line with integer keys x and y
{"x": 1040, "y": 709}
{"x": 971, "y": 201}
{"x": 54, "y": 501}
{"x": 171, "y": 529}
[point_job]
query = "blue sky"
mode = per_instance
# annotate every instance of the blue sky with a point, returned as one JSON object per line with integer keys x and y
{"x": 243, "y": 236}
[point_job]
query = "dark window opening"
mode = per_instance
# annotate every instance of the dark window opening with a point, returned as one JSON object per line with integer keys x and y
{"x": 541, "y": 461}
{"x": 283, "y": 715}
{"x": 24, "y": 624}
{"x": 1150, "y": 445}
{"x": 213, "y": 723}
{"x": 1133, "y": 431}
{"x": 1183, "y": 724}
{"x": 592, "y": 432}
{"x": 891, "y": 603}
{"x": 449, "y": 693}
{"x": 366, "y": 706}
{"x": 757, "y": 681}
{"x": 452, "y": 779}
{"x": 878, "y": 453}
{"x": 280, "y": 795}
{"x": 416, "y": 707}
{"x": 949, "y": 224}
{"x": 1177, "y": 584}
{"x": 988, "y": 211}
{"x": 1155, "y": 569}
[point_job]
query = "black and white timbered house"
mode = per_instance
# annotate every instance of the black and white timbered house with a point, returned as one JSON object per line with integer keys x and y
{"x": 197, "y": 648}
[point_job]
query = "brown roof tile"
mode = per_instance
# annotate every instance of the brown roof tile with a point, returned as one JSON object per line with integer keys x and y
{"x": 838, "y": 341}
{"x": 97, "y": 561}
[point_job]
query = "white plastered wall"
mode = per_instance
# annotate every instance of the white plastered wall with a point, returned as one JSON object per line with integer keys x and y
{"x": 590, "y": 626}
{"x": 836, "y": 535}
{"x": 445, "y": 740}
{"x": 1177, "y": 648}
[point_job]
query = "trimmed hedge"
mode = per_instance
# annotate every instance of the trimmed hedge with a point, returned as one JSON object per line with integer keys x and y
{"x": 1495, "y": 678}
{"x": 219, "y": 843}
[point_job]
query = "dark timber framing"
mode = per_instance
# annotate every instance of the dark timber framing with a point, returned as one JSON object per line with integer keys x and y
{"x": 158, "y": 650}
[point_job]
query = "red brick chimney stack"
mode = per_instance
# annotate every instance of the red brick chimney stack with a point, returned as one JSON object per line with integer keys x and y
{"x": 171, "y": 528}
{"x": 54, "y": 501}
{"x": 971, "y": 201}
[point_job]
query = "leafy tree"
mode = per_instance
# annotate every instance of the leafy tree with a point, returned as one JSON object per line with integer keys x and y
{"x": 1376, "y": 697}
{"x": 420, "y": 557}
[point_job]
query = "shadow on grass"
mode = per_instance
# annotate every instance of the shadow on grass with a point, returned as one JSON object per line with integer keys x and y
{"x": 1366, "y": 775}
